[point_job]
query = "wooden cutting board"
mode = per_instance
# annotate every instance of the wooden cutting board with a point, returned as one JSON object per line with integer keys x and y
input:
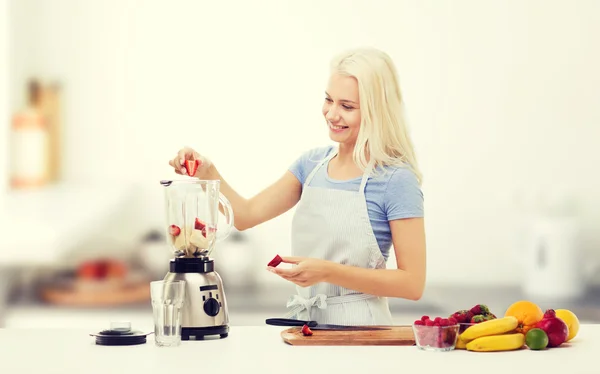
{"x": 396, "y": 335}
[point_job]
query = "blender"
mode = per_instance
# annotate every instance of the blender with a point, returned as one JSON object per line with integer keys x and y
{"x": 194, "y": 227}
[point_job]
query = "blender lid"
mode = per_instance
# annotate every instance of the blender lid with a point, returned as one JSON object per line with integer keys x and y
{"x": 120, "y": 333}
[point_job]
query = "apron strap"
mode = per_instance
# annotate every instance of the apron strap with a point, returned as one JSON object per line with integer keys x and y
{"x": 316, "y": 168}
{"x": 365, "y": 178}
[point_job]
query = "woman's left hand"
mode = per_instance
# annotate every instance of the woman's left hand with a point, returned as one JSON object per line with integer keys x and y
{"x": 307, "y": 271}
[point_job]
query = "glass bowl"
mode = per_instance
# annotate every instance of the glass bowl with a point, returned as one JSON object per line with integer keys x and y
{"x": 436, "y": 338}
{"x": 464, "y": 326}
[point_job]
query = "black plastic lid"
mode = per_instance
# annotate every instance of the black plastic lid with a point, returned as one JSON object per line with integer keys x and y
{"x": 120, "y": 333}
{"x": 192, "y": 265}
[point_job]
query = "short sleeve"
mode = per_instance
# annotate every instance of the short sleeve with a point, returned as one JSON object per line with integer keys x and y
{"x": 403, "y": 196}
{"x": 307, "y": 161}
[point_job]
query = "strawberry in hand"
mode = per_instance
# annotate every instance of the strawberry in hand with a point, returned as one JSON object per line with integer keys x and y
{"x": 191, "y": 166}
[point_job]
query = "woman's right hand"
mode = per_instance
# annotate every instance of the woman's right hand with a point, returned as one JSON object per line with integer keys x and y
{"x": 179, "y": 163}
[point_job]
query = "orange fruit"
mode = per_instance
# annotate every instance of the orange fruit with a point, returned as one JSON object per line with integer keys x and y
{"x": 527, "y": 313}
{"x": 571, "y": 320}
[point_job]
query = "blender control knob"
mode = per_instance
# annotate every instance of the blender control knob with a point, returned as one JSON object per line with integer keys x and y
{"x": 211, "y": 307}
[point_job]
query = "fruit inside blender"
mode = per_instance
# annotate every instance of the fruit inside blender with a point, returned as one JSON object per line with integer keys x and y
{"x": 192, "y": 241}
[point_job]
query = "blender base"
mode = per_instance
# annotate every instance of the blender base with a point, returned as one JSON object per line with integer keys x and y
{"x": 199, "y": 333}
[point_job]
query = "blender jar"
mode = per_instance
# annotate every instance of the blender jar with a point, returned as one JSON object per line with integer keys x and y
{"x": 193, "y": 210}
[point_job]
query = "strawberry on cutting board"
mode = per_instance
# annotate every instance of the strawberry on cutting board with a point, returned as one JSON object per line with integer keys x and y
{"x": 191, "y": 166}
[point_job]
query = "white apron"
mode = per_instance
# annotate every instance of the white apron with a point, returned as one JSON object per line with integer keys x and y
{"x": 334, "y": 225}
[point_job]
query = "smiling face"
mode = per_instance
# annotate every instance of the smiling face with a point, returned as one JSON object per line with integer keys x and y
{"x": 342, "y": 109}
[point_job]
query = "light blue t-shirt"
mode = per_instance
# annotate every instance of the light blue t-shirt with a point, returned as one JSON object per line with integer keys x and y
{"x": 393, "y": 195}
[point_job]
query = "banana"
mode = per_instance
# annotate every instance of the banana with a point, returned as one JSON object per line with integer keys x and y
{"x": 494, "y": 343}
{"x": 460, "y": 344}
{"x": 491, "y": 327}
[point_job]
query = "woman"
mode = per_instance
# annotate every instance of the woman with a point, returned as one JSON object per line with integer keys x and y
{"x": 355, "y": 201}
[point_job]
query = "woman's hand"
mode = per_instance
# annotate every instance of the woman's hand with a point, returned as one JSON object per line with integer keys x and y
{"x": 307, "y": 271}
{"x": 186, "y": 153}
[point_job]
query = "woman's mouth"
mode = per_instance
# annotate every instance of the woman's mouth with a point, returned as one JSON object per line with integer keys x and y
{"x": 336, "y": 128}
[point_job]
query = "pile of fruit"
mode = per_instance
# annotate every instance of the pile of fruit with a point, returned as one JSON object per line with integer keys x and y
{"x": 524, "y": 325}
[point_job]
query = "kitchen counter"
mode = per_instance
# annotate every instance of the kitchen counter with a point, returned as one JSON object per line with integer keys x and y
{"x": 74, "y": 351}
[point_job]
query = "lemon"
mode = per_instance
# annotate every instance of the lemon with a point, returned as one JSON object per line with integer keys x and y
{"x": 571, "y": 320}
{"x": 536, "y": 339}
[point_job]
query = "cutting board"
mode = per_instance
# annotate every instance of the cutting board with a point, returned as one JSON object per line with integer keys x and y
{"x": 396, "y": 335}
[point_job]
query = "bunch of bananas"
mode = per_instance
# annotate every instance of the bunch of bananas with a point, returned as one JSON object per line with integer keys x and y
{"x": 491, "y": 336}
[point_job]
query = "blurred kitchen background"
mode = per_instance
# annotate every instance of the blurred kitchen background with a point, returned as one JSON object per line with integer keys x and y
{"x": 97, "y": 96}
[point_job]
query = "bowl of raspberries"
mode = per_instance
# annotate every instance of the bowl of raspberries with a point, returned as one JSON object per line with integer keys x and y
{"x": 437, "y": 334}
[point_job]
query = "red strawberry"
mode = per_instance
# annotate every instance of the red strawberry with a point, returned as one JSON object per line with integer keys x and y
{"x": 462, "y": 316}
{"x": 174, "y": 230}
{"x": 200, "y": 225}
{"x": 306, "y": 331}
{"x": 480, "y": 309}
{"x": 275, "y": 261}
{"x": 480, "y": 318}
{"x": 191, "y": 166}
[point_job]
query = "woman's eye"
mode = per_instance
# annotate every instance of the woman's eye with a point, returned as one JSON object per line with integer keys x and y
{"x": 347, "y": 107}
{"x": 328, "y": 99}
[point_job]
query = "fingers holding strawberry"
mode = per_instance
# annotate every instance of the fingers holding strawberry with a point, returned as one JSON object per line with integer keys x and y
{"x": 191, "y": 163}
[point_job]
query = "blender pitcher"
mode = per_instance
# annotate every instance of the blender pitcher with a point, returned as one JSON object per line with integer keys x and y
{"x": 192, "y": 213}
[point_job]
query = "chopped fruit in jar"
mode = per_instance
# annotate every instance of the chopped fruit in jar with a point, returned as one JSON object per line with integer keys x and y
{"x": 198, "y": 239}
{"x": 199, "y": 224}
{"x": 180, "y": 242}
{"x": 191, "y": 167}
{"x": 174, "y": 230}
{"x": 275, "y": 261}
{"x": 306, "y": 331}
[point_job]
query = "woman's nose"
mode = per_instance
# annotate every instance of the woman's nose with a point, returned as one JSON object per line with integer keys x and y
{"x": 332, "y": 114}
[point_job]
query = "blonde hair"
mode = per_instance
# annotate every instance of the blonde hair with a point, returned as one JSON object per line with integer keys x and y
{"x": 383, "y": 131}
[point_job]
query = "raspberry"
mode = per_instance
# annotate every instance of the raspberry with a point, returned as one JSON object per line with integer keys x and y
{"x": 424, "y": 318}
{"x": 429, "y": 323}
{"x": 452, "y": 321}
{"x": 419, "y": 322}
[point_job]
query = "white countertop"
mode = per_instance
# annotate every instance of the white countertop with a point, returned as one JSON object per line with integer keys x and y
{"x": 74, "y": 351}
